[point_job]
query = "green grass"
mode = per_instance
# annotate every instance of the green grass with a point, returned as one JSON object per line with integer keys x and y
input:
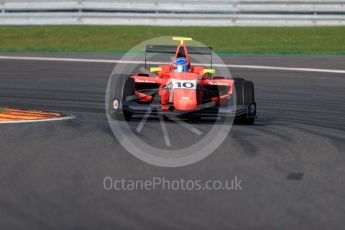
{"x": 269, "y": 40}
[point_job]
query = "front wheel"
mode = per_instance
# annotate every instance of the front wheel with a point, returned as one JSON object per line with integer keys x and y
{"x": 122, "y": 87}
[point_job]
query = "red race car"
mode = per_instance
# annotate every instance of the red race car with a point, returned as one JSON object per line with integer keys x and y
{"x": 180, "y": 89}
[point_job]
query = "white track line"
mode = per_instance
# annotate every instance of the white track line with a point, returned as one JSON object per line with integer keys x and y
{"x": 36, "y": 121}
{"x": 158, "y": 63}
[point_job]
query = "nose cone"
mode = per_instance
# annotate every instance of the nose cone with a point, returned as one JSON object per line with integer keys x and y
{"x": 184, "y": 91}
{"x": 185, "y": 99}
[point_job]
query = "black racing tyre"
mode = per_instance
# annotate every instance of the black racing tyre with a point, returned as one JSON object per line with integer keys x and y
{"x": 239, "y": 85}
{"x": 122, "y": 87}
{"x": 245, "y": 96}
{"x": 249, "y": 92}
{"x": 250, "y": 101}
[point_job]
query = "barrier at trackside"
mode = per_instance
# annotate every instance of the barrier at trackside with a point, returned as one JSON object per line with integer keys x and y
{"x": 173, "y": 12}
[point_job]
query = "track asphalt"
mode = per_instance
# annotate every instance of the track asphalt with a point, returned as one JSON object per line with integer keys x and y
{"x": 291, "y": 162}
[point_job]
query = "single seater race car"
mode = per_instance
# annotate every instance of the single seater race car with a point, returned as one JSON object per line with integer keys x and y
{"x": 182, "y": 89}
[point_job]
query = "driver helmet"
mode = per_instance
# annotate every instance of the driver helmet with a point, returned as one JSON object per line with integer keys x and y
{"x": 181, "y": 64}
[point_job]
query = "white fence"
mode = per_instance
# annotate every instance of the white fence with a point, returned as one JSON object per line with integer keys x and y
{"x": 174, "y": 12}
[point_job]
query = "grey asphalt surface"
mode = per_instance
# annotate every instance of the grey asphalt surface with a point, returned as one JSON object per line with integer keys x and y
{"x": 291, "y": 162}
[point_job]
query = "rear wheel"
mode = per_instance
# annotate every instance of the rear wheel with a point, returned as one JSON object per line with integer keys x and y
{"x": 245, "y": 97}
{"x": 122, "y": 87}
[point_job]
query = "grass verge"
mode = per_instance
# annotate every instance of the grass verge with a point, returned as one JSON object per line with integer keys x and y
{"x": 255, "y": 40}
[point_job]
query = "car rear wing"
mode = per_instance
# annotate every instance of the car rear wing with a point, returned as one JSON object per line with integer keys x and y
{"x": 172, "y": 49}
